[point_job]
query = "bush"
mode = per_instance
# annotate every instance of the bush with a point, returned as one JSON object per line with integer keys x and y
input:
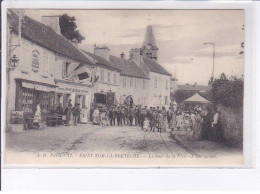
{"x": 228, "y": 92}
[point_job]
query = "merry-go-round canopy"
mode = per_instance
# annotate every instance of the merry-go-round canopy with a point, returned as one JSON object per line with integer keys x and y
{"x": 196, "y": 98}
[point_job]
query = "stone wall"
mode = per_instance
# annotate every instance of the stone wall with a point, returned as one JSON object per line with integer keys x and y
{"x": 232, "y": 125}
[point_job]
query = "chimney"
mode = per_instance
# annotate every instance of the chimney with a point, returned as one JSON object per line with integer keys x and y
{"x": 102, "y": 51}
{"x": 75, "y": 42}
{"x": 122, "y": 55}
{"x": 134, "y": 55}
{"x": 52, "y": 21}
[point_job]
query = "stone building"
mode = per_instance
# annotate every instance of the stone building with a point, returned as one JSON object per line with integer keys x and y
{"x": 48, "y": 68}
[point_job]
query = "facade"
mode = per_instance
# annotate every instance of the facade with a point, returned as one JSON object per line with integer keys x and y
{"x": 46, "y": 70}
{"x": 107, "y": 74}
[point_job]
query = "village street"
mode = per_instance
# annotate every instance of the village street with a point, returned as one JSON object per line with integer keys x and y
{"x": 93, "y": 139}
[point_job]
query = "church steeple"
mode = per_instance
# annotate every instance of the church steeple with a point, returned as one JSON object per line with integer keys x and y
{"x": 149, "y": 48}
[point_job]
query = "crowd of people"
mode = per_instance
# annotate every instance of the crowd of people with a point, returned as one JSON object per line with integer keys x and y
{"x": 203, "y": 121}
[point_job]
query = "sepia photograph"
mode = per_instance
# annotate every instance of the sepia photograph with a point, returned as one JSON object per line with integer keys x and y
{"x": 124, "y": 87}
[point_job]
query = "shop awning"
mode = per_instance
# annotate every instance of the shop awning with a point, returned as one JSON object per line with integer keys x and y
{"x": 37, "y": 85}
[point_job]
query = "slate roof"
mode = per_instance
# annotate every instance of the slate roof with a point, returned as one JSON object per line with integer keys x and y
{"x": 101, "y": 61}
{"x": 149, "y": 37}
{"x": 46, "y": 37}
{"x": 128, "y": 67}
{"x": 193, "y": 87}
{"x": 155, "y": 67}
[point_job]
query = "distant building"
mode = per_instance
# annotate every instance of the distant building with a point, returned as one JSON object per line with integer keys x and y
{"x": 195, "y": 88}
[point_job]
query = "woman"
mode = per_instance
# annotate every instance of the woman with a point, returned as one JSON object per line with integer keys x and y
{"x": 173, "y": 121}
{"x": 96, "y": 117}
{"x": 179, "y": 120}
{"x": 197, "y": 131}
{"x": 84, "y": 115}
{"x": 37, "y": 115}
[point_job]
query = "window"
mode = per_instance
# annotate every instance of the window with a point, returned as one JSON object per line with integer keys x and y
{"x": 166, "y": 100}
{"x": 131, "y": 82}
{"x": 155, "y": 82}
{"x": 102, "y": 75}
{"x": 143, "y": 84}
{"x": 155, "y": 99}
{"x": 109, "y": 77}
{"x": 135, "y": 82}
{"x": 166, "y": 85}
{"x": 67, "y": 69}
{"x": 64, "y": 69}
{"x": 124, "y": 82}
{"x": 115, "y": 79}
{"x": 45, "y": 63}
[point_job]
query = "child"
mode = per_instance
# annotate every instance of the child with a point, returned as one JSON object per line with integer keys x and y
{"x": 146, "y": 124}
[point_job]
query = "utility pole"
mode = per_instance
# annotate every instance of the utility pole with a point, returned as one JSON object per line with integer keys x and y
{"x": 213, "y": 56}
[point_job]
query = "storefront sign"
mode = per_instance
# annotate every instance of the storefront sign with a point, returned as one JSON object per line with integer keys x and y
{"x": 15, "y": 114}
{"x": 35, "y": 61}
{"x": 76, "y": 90}
{"x": 38, "y": 87}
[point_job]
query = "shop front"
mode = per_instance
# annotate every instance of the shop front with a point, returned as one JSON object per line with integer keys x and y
{"x": 29, "y": 94}
{"x": 77, "y": 93}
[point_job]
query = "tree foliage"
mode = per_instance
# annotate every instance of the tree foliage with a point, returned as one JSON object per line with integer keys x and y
{"x": 68, "y": 28}
{"x": 228, "y": 92}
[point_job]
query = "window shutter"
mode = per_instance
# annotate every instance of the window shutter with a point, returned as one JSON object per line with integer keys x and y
{"x": 63, "y": 69}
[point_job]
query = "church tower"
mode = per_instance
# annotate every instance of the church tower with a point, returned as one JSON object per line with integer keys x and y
{"x": 149, "y": 48}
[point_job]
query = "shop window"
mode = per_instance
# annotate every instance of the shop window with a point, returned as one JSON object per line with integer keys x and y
{"x": 27, "y": 100}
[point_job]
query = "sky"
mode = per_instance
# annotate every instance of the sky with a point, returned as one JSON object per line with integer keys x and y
{"x": 179, "y": 34}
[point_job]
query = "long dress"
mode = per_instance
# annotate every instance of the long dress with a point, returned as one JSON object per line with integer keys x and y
{"x": 96, "y": 117}
{"x": 84, "y": 116}
{"x": 173, "y": 122}
{"x": 37, "y": 116}
{"x": 197, "y": 132}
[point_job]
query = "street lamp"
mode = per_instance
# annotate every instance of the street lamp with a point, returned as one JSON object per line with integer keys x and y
{"x": 213, "y": 45}
{"x": 14, "y": 61}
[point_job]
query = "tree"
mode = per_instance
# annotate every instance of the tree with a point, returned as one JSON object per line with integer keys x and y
{"x": 68, "y": 28}
{"x": 228, "y": 92}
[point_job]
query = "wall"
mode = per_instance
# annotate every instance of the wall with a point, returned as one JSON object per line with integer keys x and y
{"x": 104, "y": 86}
{"x": 139, "y": 93}
{"x": 232, "y": 125}
{"x": 160, "y": 90}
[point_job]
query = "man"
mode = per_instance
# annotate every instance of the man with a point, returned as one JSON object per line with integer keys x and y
{"x": 67, "y": 113}
{"x": 136, "y": 116}
{"x": 131, "y": 115}
{"x": 142, "y": 117}
{"x": 119, "y": 116}
{"x": 59, "y": 112}
{"x": 75, "y": 112}
{"x": 111, "y": 116}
